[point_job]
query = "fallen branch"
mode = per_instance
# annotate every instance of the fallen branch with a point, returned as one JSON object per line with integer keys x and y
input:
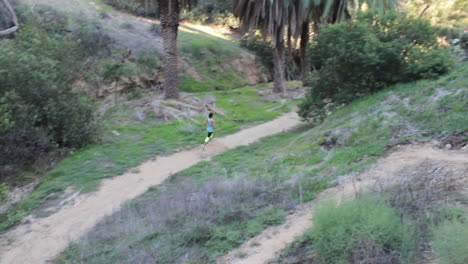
{"x": 216, "y": 110}
{"x": 14, "y": 19}
{"x": 176, "y": 112}
{"x": 278, "y": 107}
{"x": 174, "y": 102}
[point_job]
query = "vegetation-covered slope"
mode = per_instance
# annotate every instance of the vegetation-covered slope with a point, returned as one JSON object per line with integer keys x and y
{"x": 112, "y": 56}
{"x": 216, "y": 205}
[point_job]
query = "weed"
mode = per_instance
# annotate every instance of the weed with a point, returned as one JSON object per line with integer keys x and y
{"x": 365, "y": 230}
{"x": 450, "y": 239}
{"x": 3, "y": 192}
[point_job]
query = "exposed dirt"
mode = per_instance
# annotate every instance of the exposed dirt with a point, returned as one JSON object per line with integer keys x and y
{"x": 40, "y": 240}
{"x": 387, "y": 171}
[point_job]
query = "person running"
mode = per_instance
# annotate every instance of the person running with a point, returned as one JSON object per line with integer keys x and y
{"x": 210, "y": 127}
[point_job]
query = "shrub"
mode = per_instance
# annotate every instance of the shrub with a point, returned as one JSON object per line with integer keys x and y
{"x": 137, "y": 7}
{"x": 450, "y": 241}
{"x": 211, "y": 11}
{"x": 39, "y": 110}
{"x": 3, "y": 192}
{"x": 359, "y": 231}
{"x": 364, "y": 56}
{"x": 260, "y": 47}
{"x": 464, "y": 41}
{"x": 92, "y": 37}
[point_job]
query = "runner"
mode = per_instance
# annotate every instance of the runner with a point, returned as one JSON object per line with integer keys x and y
{"x": 211, "y": 123}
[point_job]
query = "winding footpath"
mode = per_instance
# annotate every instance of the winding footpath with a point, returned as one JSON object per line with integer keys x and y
{"x": 44, "y": 238}
{"x": 392, "y": 169}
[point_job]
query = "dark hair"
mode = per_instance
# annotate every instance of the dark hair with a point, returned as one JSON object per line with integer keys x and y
{"x": 210, "y": 115}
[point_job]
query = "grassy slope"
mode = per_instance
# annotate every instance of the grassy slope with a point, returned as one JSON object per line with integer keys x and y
{"x": 138, "y": 141}
{"x": 291, "y": 167}
{"x": 141, "y": 140}
{"x": 208, "y": 55}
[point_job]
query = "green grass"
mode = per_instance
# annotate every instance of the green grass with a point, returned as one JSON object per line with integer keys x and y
{"x": 209, "y": 56}
{"x": 340, "y": 230}
{"x": 138, "y": 141}
{"x": 296, "y": 165}
{"x": 450, "y": 239}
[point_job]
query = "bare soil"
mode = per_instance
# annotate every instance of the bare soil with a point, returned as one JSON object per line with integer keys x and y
{"x": 387, "y": 171}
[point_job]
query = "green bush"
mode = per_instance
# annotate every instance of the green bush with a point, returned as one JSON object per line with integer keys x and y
{"x": 217, "y": 12}
{"x": 137, "y": 7}
{"x": 450, "y": 241}
{"x": 341, "y": 233}
{"x": 39, "y": 109}
{"x": 360, "y": 57}
{"x": 260, "y": 47}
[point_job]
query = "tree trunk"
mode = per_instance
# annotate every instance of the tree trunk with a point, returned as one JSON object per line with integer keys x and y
{"x": 169, "y": 12}
{"x": 424, "y": 11}
{"x": 304, "y": 41}
{"x": 278, "y": 57}
{"x": 13, "y": 18}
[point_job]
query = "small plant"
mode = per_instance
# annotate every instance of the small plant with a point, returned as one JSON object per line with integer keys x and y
{"x": 450, "y": 240}
{"x": 365, "y": 230}
{"x": 3, "y": 192}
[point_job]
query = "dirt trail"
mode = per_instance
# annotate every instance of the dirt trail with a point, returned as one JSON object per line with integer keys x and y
{"x": 44, "y": 238}
{"x": 265, "y": 247}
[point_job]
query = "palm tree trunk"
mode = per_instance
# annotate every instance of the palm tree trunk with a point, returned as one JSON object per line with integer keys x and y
{"x": 169, "y": 10}
{"x": 13, "y": 18}
{"x": 279, "y": 61}
{"x": 303, "y": 44}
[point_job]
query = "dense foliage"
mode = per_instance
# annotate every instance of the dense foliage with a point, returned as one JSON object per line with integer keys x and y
{"x": 38, "y": 109}
{"x": 360, "y": 231}
{"x": 363, "y": 56}
{"x": 452, "y": 14}
{"x": 261, "y": 47}
{"x": 206, "y": 11}
{"x": 218, "y": 12}
{"x": 137, "y": 7}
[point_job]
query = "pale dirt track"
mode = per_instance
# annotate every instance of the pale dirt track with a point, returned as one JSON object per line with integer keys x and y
{"x": 387, "y": 171}
{"x": 44, "y": 238}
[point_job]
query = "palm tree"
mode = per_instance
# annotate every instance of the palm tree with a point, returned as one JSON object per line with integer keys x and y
{"x": 273, "y": 18}
{"x": 169, "y": 12}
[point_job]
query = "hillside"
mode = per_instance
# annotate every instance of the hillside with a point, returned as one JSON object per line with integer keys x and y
{"x": 104, "y": 160}
{"x": 211, "y": 57}
{"x": 122, "y": 73}
{"x": 256, "y": 186}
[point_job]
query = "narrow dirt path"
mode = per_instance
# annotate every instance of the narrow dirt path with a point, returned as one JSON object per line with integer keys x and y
{"x": 44, "y": 238}
{"x": 265, "y": 247}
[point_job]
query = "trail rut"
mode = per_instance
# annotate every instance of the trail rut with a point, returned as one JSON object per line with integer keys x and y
{"x": 266, "y": 246}
{"x": 44, "y": 238}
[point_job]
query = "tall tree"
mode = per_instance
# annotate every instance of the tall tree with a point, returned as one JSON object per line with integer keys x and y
{"x": 273, "y": 18}
{"x": 169, "y": 12}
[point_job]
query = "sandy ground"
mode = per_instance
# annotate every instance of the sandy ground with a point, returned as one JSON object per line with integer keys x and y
{"x": 42, "y": 239}
{"x": 266, "y": 246}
